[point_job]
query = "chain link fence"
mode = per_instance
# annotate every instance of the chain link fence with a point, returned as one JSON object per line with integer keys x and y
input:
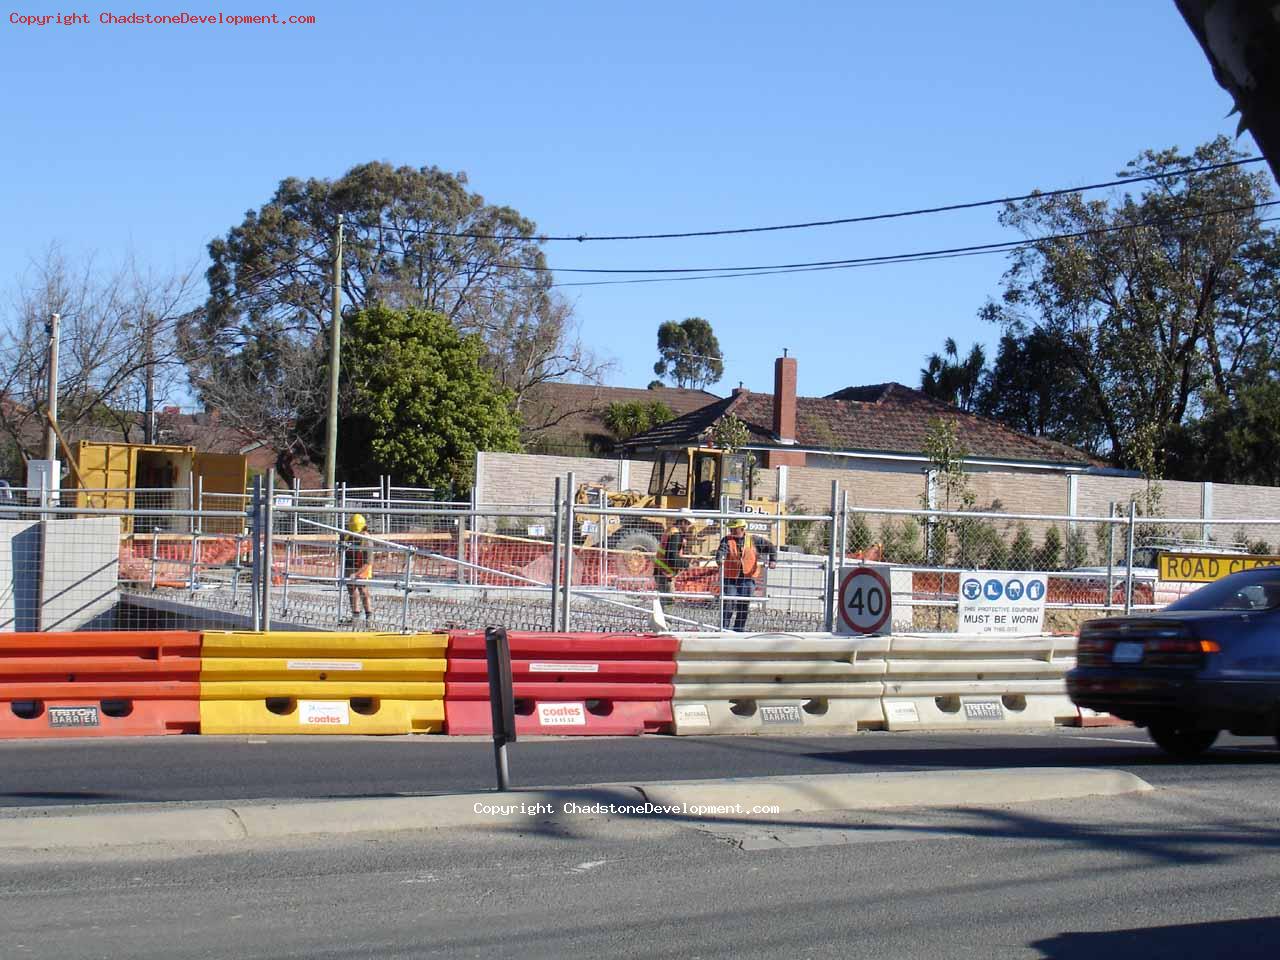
{"x": 287, "y": 558}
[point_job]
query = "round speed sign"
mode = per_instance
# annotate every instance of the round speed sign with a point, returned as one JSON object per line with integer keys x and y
{"x": 864, "y": 600}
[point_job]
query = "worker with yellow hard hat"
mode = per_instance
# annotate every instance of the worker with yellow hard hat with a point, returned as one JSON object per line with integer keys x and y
{"x": 357, "y": 568}
{"x": 739, "y": 558}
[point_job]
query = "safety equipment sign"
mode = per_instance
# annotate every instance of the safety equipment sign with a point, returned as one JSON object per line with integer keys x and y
{"x": 1002, "y": 603}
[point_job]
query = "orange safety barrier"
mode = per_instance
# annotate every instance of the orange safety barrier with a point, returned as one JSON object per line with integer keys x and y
{"x": 566, "y": 683}
{"x": 1090, "y": 590}
{"x": 109, "y": 684}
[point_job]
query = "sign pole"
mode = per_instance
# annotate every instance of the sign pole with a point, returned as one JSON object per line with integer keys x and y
{"x": 502, "y": 707}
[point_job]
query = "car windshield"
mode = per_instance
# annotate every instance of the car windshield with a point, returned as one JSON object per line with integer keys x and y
{"x": 1255, "y": 593}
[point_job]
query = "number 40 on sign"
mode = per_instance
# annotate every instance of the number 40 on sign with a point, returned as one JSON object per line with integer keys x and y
{"x": 865, "y": 602}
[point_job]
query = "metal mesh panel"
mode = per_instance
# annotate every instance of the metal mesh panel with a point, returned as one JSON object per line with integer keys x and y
{"x": 143, "y": 559}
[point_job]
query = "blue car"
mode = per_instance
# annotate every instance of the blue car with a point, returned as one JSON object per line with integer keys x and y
{"x": 1206, "y": 663}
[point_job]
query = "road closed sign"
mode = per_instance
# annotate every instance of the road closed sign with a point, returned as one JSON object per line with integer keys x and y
{"x": 865, "y": 600}
{"x": 1001, "y": 603}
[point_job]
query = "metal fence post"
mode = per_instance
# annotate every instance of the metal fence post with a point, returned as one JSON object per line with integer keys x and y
{"x": 844, "y": 526}
{"x": 340, "y": 554}
{"x": 155, "y": 547}
{"x": 268, "y": 546}
{"x": 288, "y": 557}
{"x": 1128, "y": 583}
{"x": 829, "y": 604}
{"x": 1111, "y": 555}
{"x": 464, "y": 522}
{"x": 474, "y": 540}
{"x": 720, "y": 570}
{"x": 408, "y": 573}
{"x": 555, "y": 556}
{"x": 255, "y": 584}
{"x": 568, "y": 551}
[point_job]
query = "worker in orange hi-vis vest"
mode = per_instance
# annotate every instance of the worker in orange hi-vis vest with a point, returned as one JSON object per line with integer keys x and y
{"x": 739, "y": 558}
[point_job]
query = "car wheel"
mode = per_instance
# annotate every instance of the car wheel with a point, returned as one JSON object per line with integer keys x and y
{"x": 1182, "y": 742}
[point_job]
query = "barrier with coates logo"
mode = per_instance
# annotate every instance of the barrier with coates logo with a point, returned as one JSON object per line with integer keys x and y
{"x": 946, "y": 682}
{"x": 355, "y": 683}
{"x": 108, "y": 684}
{"x": 778, "y": 683}
{"x": 566, "y": 683}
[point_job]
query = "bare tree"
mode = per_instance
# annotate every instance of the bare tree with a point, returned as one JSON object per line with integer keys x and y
{"x": 118, "y": 334}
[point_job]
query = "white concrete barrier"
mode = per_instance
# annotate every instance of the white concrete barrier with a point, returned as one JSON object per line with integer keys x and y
{"x": 778, "y": 684}
{"x": 952, "y": 681}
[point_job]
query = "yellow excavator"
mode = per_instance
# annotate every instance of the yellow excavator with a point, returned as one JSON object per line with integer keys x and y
{"x": 696, "y": 478}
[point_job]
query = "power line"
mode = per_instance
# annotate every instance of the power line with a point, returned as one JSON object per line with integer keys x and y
{"x": 951, "y": 254}
{"x": 867, "y": 218}
{"x": 829, "y": 263}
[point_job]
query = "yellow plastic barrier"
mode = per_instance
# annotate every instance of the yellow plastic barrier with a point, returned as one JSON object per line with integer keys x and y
{"x": 778, "y": 684}
{"x": 318, "y": 683}
{"x": 948, "y": 682}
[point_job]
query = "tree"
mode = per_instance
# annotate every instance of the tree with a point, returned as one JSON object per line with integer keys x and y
{"x": 625, "y": 420}
{"x": 1234, "y": 442}
{"x": 958, "y": 382}
{"x": 421, "y": 405}
{"x": 730, "y": 433}
{"x": 1033, "y": 388}
{"x": 413, "y": 238}
{"x": 1155, "y": 298}
{"x": 948, "y": 487}
{"x": 117, "y": 353}
{"x": 689, "y": 353}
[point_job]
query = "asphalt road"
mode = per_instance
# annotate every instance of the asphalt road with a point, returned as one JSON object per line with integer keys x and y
{"x": 1189, "y": 870}
{"x": 216, "y": 769}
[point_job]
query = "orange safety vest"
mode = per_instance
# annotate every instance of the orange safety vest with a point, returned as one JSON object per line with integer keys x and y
{"x": 746, "y": 564}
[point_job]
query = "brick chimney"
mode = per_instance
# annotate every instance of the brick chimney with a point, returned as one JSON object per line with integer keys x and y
{"x": 784, "y": 412}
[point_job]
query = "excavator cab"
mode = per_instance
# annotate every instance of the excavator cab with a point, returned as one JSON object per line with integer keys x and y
{"x": 699, "y": 477}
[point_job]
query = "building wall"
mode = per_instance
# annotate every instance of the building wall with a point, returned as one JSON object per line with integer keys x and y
{"x": 512, "y": 478}
{"x": 519, "y": 478}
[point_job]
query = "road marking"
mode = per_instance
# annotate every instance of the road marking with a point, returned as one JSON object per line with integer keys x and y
{"x": 1069, "y": 736}
{"x": 588, "y": 865}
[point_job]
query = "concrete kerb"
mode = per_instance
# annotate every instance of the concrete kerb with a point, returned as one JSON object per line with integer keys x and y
{"x": 709, "y": 800}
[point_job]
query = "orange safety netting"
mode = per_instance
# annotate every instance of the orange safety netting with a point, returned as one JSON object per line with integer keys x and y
{"x": 1082, "y": 591}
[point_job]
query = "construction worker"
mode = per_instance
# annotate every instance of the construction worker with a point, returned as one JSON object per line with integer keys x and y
{"x": 357, "y": 567}
{"x": 739, "y": 558}
{"x": 673, "y": 554}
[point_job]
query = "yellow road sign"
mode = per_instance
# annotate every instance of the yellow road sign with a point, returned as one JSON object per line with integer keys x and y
{"x": 1207, "y": 567}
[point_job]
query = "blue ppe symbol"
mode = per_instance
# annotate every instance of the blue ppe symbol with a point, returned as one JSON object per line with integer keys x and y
{"x": 971, "y": 589}
{"x": 992, "y": 589}
{"x": 1035, "y": 590}
{"x": 1013, "y": 589}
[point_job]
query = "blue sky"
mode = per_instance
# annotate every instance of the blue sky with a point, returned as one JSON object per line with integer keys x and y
{"x": 607, "y": 118}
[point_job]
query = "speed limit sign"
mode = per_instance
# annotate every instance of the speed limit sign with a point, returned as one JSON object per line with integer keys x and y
{"x": 866, "y": 602}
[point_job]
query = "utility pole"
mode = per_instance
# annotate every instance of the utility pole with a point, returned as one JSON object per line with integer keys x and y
{"x": 149, "y": 361}
{"x": 335, "y": 357}
{"x": 50, "y": 433}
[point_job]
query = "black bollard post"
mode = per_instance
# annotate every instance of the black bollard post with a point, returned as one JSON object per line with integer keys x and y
{"x": 502, "y": 704}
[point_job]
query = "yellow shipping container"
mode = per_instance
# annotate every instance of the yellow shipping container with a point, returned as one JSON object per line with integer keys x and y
{"x": 139, "y": 476}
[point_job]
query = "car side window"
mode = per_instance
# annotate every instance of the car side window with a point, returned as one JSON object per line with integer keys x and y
{"x": 1255, "y": 596}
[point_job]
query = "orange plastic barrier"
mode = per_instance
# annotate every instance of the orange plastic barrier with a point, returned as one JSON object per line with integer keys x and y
{"x": 110, "y": 684}
{"x": 604, "y": 684}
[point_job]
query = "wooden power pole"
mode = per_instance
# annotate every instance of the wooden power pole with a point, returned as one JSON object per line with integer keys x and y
{"x": 335, "y": 358}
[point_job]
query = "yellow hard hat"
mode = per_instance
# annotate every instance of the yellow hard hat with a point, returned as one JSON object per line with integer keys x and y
{"x": 356, "y": 524}
{"x": 737, "y": 524}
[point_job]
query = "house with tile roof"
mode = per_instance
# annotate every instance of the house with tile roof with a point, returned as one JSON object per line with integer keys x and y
{"x": 878, "y": 427}
{"x": 568, "y": 418}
